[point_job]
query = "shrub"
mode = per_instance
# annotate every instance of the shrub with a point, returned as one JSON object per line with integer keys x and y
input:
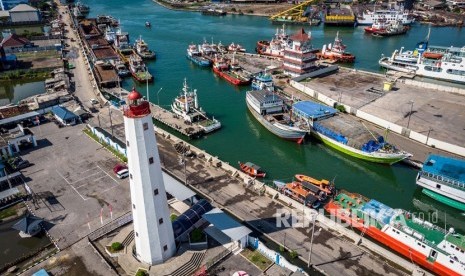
{"x": 197, "y": 236}
{"x": 250, "y": 11}
{"x": 294, "y": 254}
{"x": 173, "y": 217}
{"x": 341, "y": 108}
{"x": 141, "y": 273}
{"x": 233, "y": 10}
{"x": 281, "y": 248}
{"x": 116, "y": 246}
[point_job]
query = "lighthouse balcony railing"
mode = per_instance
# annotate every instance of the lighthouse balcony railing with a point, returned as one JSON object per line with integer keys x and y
{"x": 135, "y": 111}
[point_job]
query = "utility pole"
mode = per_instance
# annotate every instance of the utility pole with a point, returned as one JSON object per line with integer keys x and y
{"x": 427, "y": 136}
{"x": 111, "y": 122}
{"x": 311, "y": 241}
{"x": 410, "y": 113}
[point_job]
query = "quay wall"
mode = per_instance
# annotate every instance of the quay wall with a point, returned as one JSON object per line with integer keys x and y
{"x": 424, "y": 139}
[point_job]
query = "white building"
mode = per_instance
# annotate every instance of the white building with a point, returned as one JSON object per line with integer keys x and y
{"x": 24, "y": 13}
{"x": 153, "y": 231}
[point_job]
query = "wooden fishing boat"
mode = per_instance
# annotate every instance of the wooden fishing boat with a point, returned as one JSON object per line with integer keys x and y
{"x": 323, "y": 184}
{"x": 252, "y": 169}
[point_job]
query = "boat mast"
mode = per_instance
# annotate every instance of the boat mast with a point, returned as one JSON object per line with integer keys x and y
{"x": 185, "y": 96}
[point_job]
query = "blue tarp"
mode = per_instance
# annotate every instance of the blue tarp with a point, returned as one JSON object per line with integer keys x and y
{"x": 312, "y": 110}
{"x": 448, "y": 167}
{"x": 329, "y": 133}
{"x": 378, "y": 211}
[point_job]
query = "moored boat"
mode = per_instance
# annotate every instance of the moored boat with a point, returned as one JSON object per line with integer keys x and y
{"x": 263, "y": 81}
{"x": 346, "y": 135}
{"x": 296, "y": 191}
{"x": 276, "y": 46}
{"x": 378, "y": 25}
{"x": 271, "y": 111}
{"x": 148, "y": 24}
{"x": 393, "y": 29}
{"x": 323, "y": 184}
{"x": 236, "y": 48}
{"x": 336, "y": 51}
{"x": 217, "y": 12}
{"x": 143, "y": 50}
{"x": 393, "y": 13}
{"x": 195, "y": 56}
{"x": 252, "y": 169}
{"x": 233, "y": 75}
{"x": 443, "y": 179}
{"x": 138, "y": 69}
{"x": 438, "y": 250}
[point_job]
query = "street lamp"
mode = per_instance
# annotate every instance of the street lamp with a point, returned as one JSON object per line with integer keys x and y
{"x": 410, "y": 113}
{"x": 427, "y": 136}
{"x": 158, "y": 99}
{"x": 311, "y": 241}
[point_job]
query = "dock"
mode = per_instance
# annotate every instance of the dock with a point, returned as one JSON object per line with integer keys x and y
{"x": 174, "y": 121}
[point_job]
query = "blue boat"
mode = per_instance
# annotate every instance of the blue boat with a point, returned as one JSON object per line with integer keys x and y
{"x": 195, "y": 56}
{"x": 263, "y": 81}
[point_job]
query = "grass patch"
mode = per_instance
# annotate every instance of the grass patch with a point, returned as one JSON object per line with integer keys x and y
{"x": 24, "y": 74}
{"x": 10, "y": 211}
{"x": 121, "y": 156}
{"x": 256, "y": 258}
{"x": 38, "y": 54}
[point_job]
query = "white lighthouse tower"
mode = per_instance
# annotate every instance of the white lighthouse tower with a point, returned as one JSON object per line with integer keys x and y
{"x": 153, "y": 232}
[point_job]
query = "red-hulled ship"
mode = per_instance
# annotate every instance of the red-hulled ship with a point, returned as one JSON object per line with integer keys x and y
{"x": 438, "y": 250}
{"x": 336, "y": 52}
{"x": 275, "y": 47}
{"x": 252, "y": 169}
{"x": 378, "y": 25}
{"x": 235, "y": 75}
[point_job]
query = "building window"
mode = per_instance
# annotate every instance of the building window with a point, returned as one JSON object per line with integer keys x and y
{"x": 130, "y": 175}
{"x": 134, "y": 206}
{"x": 438, "y": 186}
{"x": 160, "y": 221}
{"x": 165, "y": 247}
{"x": 146, "y": 126}
{"x": 127, "y": 143}
{"x": 137, "y": 234}
{"x": 151, "y": 160}
{"x": 155, "y": 192}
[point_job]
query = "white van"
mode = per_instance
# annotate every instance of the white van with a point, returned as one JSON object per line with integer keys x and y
{"x": 122, "y": 174}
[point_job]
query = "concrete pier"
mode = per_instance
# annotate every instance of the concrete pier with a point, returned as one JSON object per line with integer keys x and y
{"x": 175, "y": 122}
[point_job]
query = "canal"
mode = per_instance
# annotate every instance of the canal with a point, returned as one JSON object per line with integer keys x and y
{"x": 242, "y": 138}
{"x": 12, "y": 92}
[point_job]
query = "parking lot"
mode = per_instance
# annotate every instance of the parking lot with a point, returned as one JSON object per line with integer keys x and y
{"x": 74, "y": 183}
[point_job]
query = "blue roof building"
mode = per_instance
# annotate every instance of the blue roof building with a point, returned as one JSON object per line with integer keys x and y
{"x": 312, "y": 110}
{"x": 64, "y": 116}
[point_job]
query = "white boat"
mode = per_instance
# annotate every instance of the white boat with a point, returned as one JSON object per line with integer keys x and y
{"x": 391, "y": 15}
{"x": 186, "y": 105}
{"x": 110, "y": 34}
{"x": 142, "y": 49}
{"x": 236, "y": 48}
{"x": 436, "y": 62}
{"x": 276, "y": 46}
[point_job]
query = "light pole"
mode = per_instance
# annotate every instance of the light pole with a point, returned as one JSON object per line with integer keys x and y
{"x": 158, "y": 99}
{"x": 311, "y": 241}
{"x": 111, "y": 122}
{"x": 410, "y": 113}
{"x": 427, "y": 136}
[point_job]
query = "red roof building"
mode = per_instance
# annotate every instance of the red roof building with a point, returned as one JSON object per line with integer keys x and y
{"x": 14, "y": 41}
{"x": 299, "y": 57}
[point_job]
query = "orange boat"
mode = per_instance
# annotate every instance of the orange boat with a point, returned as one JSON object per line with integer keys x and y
{"x": 432, "y": 55}
{"x": 336, "y": 52}
{"x": 252, "y": 169}
{"x": 298, "y": 192}
{"x": 324, "y": 185}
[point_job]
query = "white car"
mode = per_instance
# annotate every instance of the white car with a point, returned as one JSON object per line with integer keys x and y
{"x": 94, "y": 101}
{"x": 122, "y": 174}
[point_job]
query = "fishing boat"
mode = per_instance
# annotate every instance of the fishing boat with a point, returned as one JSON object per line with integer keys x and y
{"x": 263, "y": 81}
{"x": 143, "y": 50}
{"x": 345, "y": 134}
{"x": 443, "y": 179}
{"x": 391, "y": 30}
{"x": 393, "y": 13}
{"x": 186, "y": 105}
{"x": 234, "y": 75}
{"x": 148, "y": 24}
{"x": 77, "y": 13}
{"x": 236, "y": 48}
{"x": 107, "y": 20}
{"x": 216, "y": 12}
{"x": 440, "y": 251}
{"x": 252, "y": 169}
{"x": 323, "y": 184}
{"x": 276, "y": 46}
{"x": 110, "y": 34}
{"x": 195, "y": 56}
{"x": 378, "y": 25}
{"x": 436, "y": 62}
{"x": 138, "y": 69}
{"x": 271, "y": 111}
{"x": 296, "y": 191}
{"x": 84, "y": 9}
{"x": 121, "y": 69}
{"x": 336, "y": 52}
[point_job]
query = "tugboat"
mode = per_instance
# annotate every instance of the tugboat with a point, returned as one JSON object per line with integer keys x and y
{"x": 336, "y": 52}
{"x": 394, "y": 29}
{"x": 251, "y": 169}
{"x": 195, "y": 56}
{"x": 263, "y": 81}
{"x": 324, "y": 185}
{"x": 235, "y": 76}
{"x": 110, "y": 34}
{"x": 138, "y": 69}
{"x": 275, "y": 47}
{"x": 378, "y": 25}
{"x": 186, "y": 105}
{"x": 143, "y": 50}
{"x": 121, "y": 69}
{"x": 236, "y": 48}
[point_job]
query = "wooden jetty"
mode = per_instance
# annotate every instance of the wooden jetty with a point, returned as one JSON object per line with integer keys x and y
{"x": 174, "y": 121}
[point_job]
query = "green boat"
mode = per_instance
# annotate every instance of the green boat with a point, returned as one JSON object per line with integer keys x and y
{"x": 445, "y": 200}
{"x": 346, "y": 135}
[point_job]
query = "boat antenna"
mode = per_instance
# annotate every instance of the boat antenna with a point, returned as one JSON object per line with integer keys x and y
{"x": 427, "y": 36}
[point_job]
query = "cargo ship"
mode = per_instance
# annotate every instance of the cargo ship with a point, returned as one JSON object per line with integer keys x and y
{"x": 443, "y": 179}
{"x": 271, "y": 111}
{"x": 392, "y": 14}
{"x": 195, "y": 56}
{"x": 438, "y": 250}
{"x": 235, "y": 75}
{"x": 346, "y": 135}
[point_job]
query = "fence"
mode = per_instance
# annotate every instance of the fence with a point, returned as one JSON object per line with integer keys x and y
{"x": 108, "y": 140}
{"x": 111, "y": 226}
{"x": 31, "y": 49}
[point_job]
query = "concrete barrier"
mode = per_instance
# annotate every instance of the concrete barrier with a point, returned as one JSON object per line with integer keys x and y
{"x": 441, "y": 88}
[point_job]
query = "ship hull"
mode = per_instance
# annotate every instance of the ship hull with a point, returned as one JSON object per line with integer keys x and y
{"x": 285, "y": 134}
{"x": 198, "y": 61}
{"x": 141, "y": 79}
{"x": 380, "y": 158}
{"x": 444, "y": 199}
{"x": 230, "y": 78}
{"x": 394, "y": 244}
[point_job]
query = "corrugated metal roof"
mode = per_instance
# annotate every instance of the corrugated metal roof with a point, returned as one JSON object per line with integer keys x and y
{"x": 312, "y": 110}
{"x": 22, "y": 8}
{"x": 176, "y": 188}
{"x": 226, "y": 224}
{"x": 19, "y": 117}
{"x": 63, "y": 113}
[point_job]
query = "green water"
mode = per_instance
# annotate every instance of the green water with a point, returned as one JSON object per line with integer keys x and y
{"x": 12, "y": 92}
{"x": 242, "y": 138}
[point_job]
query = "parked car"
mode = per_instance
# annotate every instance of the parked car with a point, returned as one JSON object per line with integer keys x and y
{"x": 122, "y": 174}
{"x": 119, "y": 167}
{"x": 18, "y": 163}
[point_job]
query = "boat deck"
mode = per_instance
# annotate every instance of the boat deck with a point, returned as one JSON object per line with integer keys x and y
{"x": 354, "y": 130}
{"x": 433, "y": 233}
{"x": 106, "y": 76}
{"x": 175, "y": 122}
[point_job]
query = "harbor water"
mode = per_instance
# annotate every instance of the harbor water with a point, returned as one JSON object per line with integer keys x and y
{"x": 242, "y": 138}
{"x": 13, "y": 92}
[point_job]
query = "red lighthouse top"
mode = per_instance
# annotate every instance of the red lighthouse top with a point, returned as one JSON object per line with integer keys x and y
{"x": 137, "y": 107}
